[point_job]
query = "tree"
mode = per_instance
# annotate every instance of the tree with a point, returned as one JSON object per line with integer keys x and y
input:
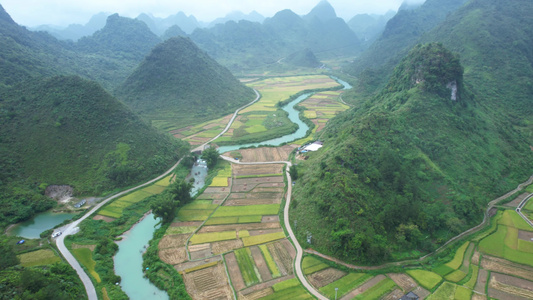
{"x": 8, "y": 258}
{"x": 210, "y": 155}
{"x": 166, "y": 204}
{"x": 293, "y": 171}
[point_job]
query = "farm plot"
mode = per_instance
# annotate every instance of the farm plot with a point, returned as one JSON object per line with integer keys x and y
{"x": 445, "y": 291}
{"x": 425, "y": 278}
{"x": 311, "y": 265}
{"x": 208, "y": 283}
{"x": 405, "y": 282}
{"x": 116, "y": 208}
{"x": 344, "y": 285}
{"x": 324, "y": 277}
{"x": 321, "y": 107}
{"x": 454, "y": 264}
{"x": 253, "y": 170}
{"x": 85, "y": 257}
{"x": 264, "y": 154}
{"x": 38, "y": 258}
{"x": 287, "y": 290}
{"x": 201, "y": 133}
{"x": 505, "y": 243}
{"x": 379, "y": 289}
{"x": 501, "y": 286}
{"x": 198, "y": 210}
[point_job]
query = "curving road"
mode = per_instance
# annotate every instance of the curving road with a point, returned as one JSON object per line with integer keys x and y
{"x": 519, "y": 209}
{"x": 299, "y": 250}
{"x": 202, "y": 147}
{"x": 72, "y": 228}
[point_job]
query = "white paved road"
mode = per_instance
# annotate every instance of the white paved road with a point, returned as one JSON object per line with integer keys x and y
{"x": 299, "y": 250}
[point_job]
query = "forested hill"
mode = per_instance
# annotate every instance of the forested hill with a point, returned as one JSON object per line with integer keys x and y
{"x": 410, "y": 168}
{"x": 402, "y": 33}
{"x": 178, "y": 84}
{"x": 495, "y": 42}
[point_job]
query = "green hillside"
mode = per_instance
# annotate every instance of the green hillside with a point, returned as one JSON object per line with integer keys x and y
{"x": 412, "y": 166}
{"x": 179, "y": 85}
{"x": 494, "y": 40}
{"x": 402, "y": 33}
{"x": 66, "y": 130}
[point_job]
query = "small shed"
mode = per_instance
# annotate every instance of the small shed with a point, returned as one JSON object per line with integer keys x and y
{"x": 80, "y": 204}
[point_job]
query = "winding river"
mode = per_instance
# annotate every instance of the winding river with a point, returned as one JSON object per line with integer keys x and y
{"x": 128, "y": 260}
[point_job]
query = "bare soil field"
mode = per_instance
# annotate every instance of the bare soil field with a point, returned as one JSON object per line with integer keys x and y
{"x": 517, "y": 200}
{"x": 212, "y": 196}
{"x": 289, "y": 247}
{"x": 481, "y": 281}
{"x": 217, "y": 190}
{"x": 394, "y": 295}
{"x": 513, "y": 281}
{"x": 237, "y": 227}
{"x": 234, "y": 272}
{"x": 270, "y": 219}
{"x": 421, "y": 292}
{"x": 364, "y": 287}
{"x": 264, "y": 231}
{"x": 173, "y": 241}
{"x": 324, "y": 277}
{"x": 525, "y": 235}
{"x": 503, "y": 266}
{"x": 193, "y": 264}
{"x": 173, "y": 256}
{"x": 476, "y": 296}
{"x": 209, "y": 283}
{"x": 103, "y": 218}
{"x": 258, "y": 187}
{"x": 256, "y": 295}
{"x": 266, "y": 154}
{"x": 260, "y": 263}
{"x": 246, "y": 170}
{"x": 282, "y": 257}
{"x": 258, "y": 180}
{"x": 475, "y": 258}
{"x": 90, "y": 247}
{"x": 256, "y": 196}
{"x": 405, "y": 282}
{"x": 245, "y": 202}
{"x": 226, "y": 246}
{"x": 262, "y": 190}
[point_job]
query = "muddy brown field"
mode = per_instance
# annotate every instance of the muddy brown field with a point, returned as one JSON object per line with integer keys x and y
{"x": 209, "y": 283}
{"x": 237, "y": 227}
{"x": 173, "y": 256}
{"x": 405, "y": 282}
{"x": 226, "y": 246}
{"x": 481, "y": 281}
{"x": 282, "y": 257}
{"x": 324, "y": 277}
{"x": 234, "y": 271}
{"x": 260, "y": 263}
{"x": 173, "y": 241}
{"x": 517, "y": 200}
{"x": 245, "y": 202}
{"x": 266, "y": 154}
{"x": 245, "y": 170}
{"x": 525, "y": 235}
{"x": 103, "y": 218}
{"x": 502, "y": 266}
{"x": 394, "y": 295}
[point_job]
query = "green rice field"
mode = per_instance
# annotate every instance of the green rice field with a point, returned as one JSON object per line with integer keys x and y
{"x": 38, "y": 258}
{"x": 85, "y": 257}
{"x": 250, "y": 210}
{"x": 262, "y": 239}
{"x": 345, "y": 284}
{"x": 288, "y": 290}
{"x": 376, "y": 292}
{"x": 270, "y": 261}
{"x": 249, "y": 271}
{"x": 311, "y": 265}
{"x": 426, "y": 279}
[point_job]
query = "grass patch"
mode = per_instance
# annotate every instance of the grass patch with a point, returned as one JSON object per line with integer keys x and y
{"x": 425, "y": 278}
{"x": 222, "y": 221}
{"x": 445, "y": 291}
{"x": 85, "y": 257}
{"x": 262, "y": 239}
{"x": 455, "y": 276}
{"x": 511, "y": 219}
{"x": 288, "y": 290}
{"x": 345, "y": 284}
{"x": 180, "y": 230}
{"x": 287, "y": 284}
{"x": 250, "y": 210}
{"x": 116, "y": 208}
{"x": 38, "y": 258}
{"x": 462, "y": 293}
{"x": 457, "y": 260}
{"x": 165, "y": 181}
{"x": 248, "y": 269}
{"x": 376, "y": 292}
{"x": 250, "y": 219}
{"x": 443, "y": 270}
{"x": 193, "y": 214}
{"x": 212, "y": 237}
{"x": 200, "y": 205}
{"x": 311, "y": 265}
{"x": 270, "y": 261}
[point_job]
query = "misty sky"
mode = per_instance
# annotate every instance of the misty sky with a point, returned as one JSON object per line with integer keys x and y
{"x": 64, "y": 12}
